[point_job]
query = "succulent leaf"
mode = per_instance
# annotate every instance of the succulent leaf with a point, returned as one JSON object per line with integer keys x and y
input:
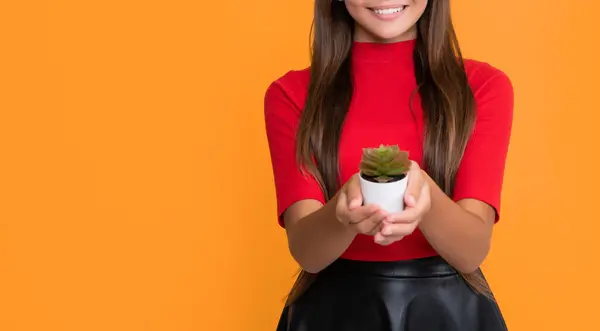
{"x": 384, "y": 162}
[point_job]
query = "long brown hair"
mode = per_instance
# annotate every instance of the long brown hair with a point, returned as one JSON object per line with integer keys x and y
{"x": 446, "y": 98}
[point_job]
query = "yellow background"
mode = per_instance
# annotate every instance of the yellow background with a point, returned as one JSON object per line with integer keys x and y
{"x": 135, "y": 183}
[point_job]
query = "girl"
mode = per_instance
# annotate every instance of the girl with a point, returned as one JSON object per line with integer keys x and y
{"x": 389, "y": 72}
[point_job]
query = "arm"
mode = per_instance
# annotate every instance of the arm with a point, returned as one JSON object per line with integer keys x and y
{"x": 318, "y": 235}
{"x": 461, "y": 231}
{"x": 317, "y": 231}
{"x": 315, "y": 237}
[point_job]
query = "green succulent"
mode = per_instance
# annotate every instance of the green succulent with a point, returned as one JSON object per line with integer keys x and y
{"x": 384, "y": 163}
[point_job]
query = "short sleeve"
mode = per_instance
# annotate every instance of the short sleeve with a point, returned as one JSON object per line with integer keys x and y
{"x": 282, "y": 116}
{"x": 481, "y": 172}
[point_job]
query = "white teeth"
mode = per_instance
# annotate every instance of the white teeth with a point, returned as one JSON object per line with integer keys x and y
{"x": 388, "y": 11}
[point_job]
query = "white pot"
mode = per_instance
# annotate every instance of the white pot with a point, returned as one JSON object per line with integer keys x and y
{"x": 388, "y": 196}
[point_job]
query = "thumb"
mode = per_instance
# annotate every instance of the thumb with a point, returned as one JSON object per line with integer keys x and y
{"x": 353, "y": 192}
{"x": 410, "y": 200}
{"x": 415, "y": 183}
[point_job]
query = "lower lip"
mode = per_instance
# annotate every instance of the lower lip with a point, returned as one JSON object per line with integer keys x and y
{"x": 388, "y": 17}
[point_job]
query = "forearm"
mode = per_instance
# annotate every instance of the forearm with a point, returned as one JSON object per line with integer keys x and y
{"x": 318, "y": 239}
{"x": 458, "y": 235}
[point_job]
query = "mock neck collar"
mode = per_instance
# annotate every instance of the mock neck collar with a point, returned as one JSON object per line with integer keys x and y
{"x": 396, "y": 53}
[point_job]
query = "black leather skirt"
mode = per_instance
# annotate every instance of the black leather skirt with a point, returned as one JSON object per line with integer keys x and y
{"x": 416, "y": 295}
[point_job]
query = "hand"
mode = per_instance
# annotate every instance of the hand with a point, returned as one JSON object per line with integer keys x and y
{"x": 417, "y": 201}
{"x": 351, "y": 212}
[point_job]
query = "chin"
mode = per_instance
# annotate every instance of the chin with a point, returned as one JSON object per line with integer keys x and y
{"x": 392, "y": 35}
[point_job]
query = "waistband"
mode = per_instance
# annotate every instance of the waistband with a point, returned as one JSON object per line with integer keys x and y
{"x": 418, "y": 268}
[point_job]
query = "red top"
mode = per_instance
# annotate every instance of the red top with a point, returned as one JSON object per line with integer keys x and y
{"x": 384, "y": 82}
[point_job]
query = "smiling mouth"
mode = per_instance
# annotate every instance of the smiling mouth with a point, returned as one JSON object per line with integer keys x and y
{"x": 388, "y": 11}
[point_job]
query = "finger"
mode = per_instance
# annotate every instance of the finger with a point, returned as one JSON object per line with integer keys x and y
{"x": 408, "y": 215}
{"x": 363, "y": 213}
{"x": 409, "y": 200}
{"x": 341, "y": 210}
{"x": 371, "y": 224}
{"x": 375, "y": 230}
{"x": 349, "y": 217}
{"x": 380, "y": 239}
{"x": 424, "y": 201}
{"x": 398, "y": 229}
{"x": 421, "y": 207}
{"x": 388, "y": 242}
{"x": 385, "y": 241}
{"x": 415, "y": 182}
{"x": 377, "y": 217}
{"x": 354, "y": 193}
{"x": 411, "y": 214}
